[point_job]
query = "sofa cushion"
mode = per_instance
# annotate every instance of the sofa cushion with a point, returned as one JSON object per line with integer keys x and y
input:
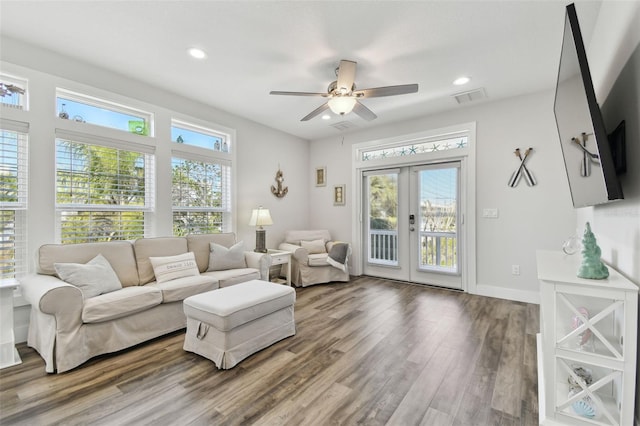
{"x": 230, "y": 277}
{"x": 157, "y": 247}
{"x": 318, "y": 259}
{"x": 173, "y": 267}
{"x": 296, "y": 236}
{"x": 121, "y": 303}
{"x": 199, "y": 245}
{"x": 119, "y": 254}
{"x": 221, "y": 257}
{"x": 92, "y": 278}
{"x": 314, "y": 247}
{"x": 181, "y": 288}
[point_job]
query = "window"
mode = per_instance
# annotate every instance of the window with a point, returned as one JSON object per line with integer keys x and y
{"x": 201, "y": 185}
{"x": 87, "y": 109}
{"x": 200, "y": 194}
{"x": 13, "y": 91}
{"x": 190, "y": 134}
{"x": 103, "y": 192}
{"x": 13, "y": 198}
{"x": 416, "y": 147}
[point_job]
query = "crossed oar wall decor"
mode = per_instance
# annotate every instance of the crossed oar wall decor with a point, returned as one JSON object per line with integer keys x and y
{"x": 522, "y": 170}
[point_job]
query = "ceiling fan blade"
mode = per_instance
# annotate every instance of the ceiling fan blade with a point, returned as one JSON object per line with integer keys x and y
{"x": 346, "y": 76}
{"x": 315, "y": 112}
{"x": 386, "y": 91}
{"x": 277, "y": 92}
{"x": 364, "y": 112}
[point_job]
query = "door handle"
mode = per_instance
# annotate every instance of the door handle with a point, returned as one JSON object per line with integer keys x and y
{"x": 411, "y": 228}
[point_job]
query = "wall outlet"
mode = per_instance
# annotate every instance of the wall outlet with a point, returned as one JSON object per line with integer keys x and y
{"x": 515, "y": 269}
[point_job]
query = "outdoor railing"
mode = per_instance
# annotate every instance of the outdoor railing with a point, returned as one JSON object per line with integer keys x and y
{"x": 383, "y": 246}
{"x": 438, "y": 250}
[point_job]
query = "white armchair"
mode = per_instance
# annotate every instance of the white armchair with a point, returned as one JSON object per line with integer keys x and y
{"x": 309, "y": 254}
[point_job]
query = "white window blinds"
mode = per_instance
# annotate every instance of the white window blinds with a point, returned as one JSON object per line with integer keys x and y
{"x": 13, "y": 198}
{"x": 102, "y": 192}
{"x": 200, "y": 195}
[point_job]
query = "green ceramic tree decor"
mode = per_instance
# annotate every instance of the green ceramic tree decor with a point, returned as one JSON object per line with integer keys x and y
{"x": 592, "y": 267}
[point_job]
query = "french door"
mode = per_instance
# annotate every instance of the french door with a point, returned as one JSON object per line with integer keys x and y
{"x": 413, "y": 223}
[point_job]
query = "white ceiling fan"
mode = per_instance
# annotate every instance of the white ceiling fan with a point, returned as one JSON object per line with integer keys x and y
{"x": 343, "y": 96}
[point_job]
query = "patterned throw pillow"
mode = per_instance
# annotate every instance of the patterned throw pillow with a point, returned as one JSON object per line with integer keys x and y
{"x": 173, "y": 267}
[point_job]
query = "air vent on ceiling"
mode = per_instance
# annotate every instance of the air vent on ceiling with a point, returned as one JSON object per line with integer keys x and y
{"x": 344, "y": 125}
{"x": 471, "y": 95}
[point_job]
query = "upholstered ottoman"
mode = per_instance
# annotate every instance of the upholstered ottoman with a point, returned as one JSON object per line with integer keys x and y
{"x": 229, "y": 324}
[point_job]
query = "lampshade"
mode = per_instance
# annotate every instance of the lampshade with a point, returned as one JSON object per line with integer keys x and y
{"x": 342, "y": 104}
{"x": 260, "y": 217}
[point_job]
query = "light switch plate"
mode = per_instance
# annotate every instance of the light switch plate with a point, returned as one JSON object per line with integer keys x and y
{"x": 491, "y": 213}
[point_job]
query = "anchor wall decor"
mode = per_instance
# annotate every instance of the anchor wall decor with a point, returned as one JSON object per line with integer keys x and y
{"x": 279, "y": 190}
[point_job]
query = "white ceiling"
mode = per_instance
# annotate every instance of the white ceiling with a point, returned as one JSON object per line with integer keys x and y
{"x": 507, "y": 47}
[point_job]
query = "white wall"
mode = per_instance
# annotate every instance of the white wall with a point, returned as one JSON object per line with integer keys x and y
{"x": 260, "y": 151}
{"x": 614, "y": 59}
{"x": 530, "y": 218}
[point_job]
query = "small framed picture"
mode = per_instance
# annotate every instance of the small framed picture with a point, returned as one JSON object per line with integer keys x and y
{"x": 339, "y": 195}
{"x": 321, "y": 176}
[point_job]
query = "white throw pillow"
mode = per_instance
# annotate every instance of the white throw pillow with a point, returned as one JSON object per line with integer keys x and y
{"x": 93, "y": 278}
{"x": 173, "y": 267}
{"x": 314, "y": 247}
{"x": 222, "y": 258}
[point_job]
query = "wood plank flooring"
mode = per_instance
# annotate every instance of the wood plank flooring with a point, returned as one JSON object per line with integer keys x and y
{"x": 370, "y": 352}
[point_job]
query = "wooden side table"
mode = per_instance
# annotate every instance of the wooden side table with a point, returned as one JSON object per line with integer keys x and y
{"x": 8, "y": 353}
{"x": 281, "y": 257}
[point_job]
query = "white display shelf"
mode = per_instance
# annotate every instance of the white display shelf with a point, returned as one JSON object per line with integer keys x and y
{"x": 607, "y": 311}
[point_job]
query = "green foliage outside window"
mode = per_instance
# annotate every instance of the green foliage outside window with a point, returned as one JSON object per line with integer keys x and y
{"x": 198, "y": 197}
{"x": 101, "y": 192}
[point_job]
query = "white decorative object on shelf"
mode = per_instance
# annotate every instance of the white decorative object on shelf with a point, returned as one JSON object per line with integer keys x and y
{"x": 587, "y": 344}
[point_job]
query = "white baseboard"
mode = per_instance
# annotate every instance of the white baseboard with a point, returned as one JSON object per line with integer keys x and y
{"x": 508, "y": 293}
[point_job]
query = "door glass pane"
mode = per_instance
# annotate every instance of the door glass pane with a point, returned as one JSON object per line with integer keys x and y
{"x": 383, "y": 219}
{"x": 438, "y": 242}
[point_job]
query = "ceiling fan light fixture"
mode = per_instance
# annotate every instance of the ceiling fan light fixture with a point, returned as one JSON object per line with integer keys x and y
{"x": 342, "y": 105}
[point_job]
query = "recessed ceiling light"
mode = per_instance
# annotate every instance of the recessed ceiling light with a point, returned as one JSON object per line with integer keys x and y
{"x": 197, "y": 53}
{"x": 326, "y": 117}
{"x": 462, "y": 80}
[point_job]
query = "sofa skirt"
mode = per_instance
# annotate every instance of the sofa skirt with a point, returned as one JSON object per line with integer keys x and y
{"x": 227, "y": 348}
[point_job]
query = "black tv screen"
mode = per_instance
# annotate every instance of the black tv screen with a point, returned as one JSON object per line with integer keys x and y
{"x": 583, "y": 138}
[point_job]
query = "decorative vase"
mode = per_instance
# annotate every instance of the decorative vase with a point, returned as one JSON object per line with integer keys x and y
{"x": 572, "y": 245}
{"x": 63, "y": 113}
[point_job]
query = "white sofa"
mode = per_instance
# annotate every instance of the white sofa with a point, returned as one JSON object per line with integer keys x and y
{"x": 309, "y": 263}
{"x": 67, "y": 328}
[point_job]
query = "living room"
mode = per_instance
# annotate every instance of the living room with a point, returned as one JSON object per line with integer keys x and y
{"x": 529, "y": 218}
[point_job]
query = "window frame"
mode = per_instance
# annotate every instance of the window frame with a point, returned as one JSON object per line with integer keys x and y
{"x": 18, "y": 208}
{"x": 109, "y": 105}
{"x": 200, "y": 154}
{"x": 150, "y": 172}
{"x": 23, "y": 99}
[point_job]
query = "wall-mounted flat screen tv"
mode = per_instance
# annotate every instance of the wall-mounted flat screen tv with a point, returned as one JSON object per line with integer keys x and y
{"x": 583, "y": 138}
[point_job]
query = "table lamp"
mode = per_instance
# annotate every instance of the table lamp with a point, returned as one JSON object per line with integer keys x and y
{"x": 260, "y": 217}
